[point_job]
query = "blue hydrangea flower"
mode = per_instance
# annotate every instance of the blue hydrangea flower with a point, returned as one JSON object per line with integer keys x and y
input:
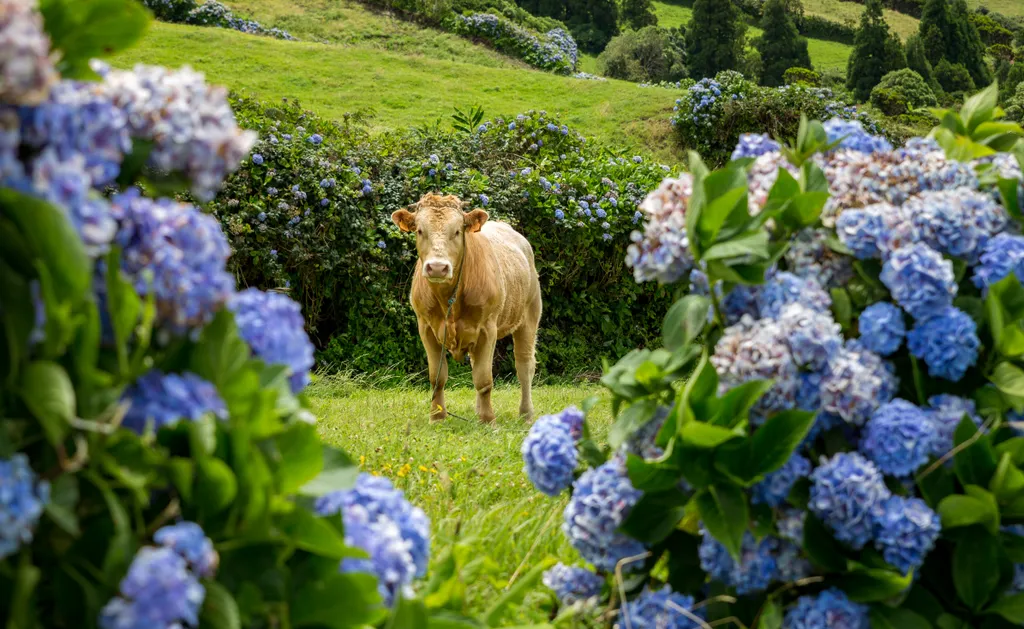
{"x": 899, "y": 438}
{"x": 165, "y": 399}
{"x": 947, "y": 341}
{"x": 601, "y": 500}
{"x": 754, "y": 145}
{"x": 572, "y": 584}
{"x": 921, "y": 281}
{"x": 559, "y": 215}
{"x": 852, "y": 136}
{"x": 829, "y": 610}
{"x": 814, "y": 337}
{"x": 158, "y": 591}
{"x": 315, "y": 139}
{"x": 176, "y": 252}
{"x": 754, "y": 572}
{"x": 874, "y": 231}
{"x": 549, "y": 455}
{"x": 381, "y": 500}
{"x": 484, "y": 200}
{"x": 845, "y": 490}
{"x": 601, "y": 213}
{"x": 257, "y": 159}
{"x": 191, "y": 543}
{"x": 659, "y": 609}
{"x": 1003, "y": 254}
{"x": 272, "y": 325}
{"x": 785, "y": 288}
{"x": 905, "y": 532}
{"x": 741, "y": 300}
{"x": 882, "y": 328}
{"x": 775, "y": 487}
{"x": 791, "y": 525}
{"x": 22, "y": 499}
{"x": 808, "y": 394}
{"x": 793, "y": 565}
{"x": 662, "y": 251}
{"x": 758, "y": 350}
{"x": 956, "y": 222}
{"x": 946, "y": 413}
{"x": 391, "y": 559}
{"x": 856, "y": 383}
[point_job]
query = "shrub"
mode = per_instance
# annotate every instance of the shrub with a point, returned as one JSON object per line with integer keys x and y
{"x": 1001, "y": 52}
{"x": 713, "y": 113}
{"x": 209, "y": 13}
{"x": 780, "y": 45}
{"x": 876, "y": 52}
{"x": 817, "y": 27}
{"x": 836, "y": 409}
{"x": 991, "y": 32}
{"x": 556, "y": 51}
{"x": 802, "y": 76}
{"x": 954, "y": 78}
{"x": 345, "y": 262}
{"x": 1015, "y": 105}
{"x": 902, "y": 86}
{"x": 649, "y": 55}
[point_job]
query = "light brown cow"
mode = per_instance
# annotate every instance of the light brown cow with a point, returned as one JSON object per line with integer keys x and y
{"x": 498, "y": 295}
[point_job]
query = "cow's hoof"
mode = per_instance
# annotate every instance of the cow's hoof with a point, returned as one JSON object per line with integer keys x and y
{"x": 487, "y": 418}
{"x": 526, "y": 415}
{"x": 438, "y": 414}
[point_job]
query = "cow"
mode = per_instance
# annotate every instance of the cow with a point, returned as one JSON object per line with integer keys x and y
{"x": 490, "y": 271}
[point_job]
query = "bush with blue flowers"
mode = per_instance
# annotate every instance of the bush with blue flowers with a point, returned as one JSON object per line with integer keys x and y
{"x": 555, "y": 51}
{"x": 209, "y": 13}
{"x": 832, "y": 418}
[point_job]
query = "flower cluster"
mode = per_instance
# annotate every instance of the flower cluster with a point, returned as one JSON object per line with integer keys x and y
{"x": 26, "y": 64}
{"x": 160, "y": 399}
{"x": 549, "y": 454}
{"x": 210, "y": 13}
{"x": 272, "y": 325}
{"x": 554, "y": 51}
{"x": 379, "y": 520}
{"x": 756, "y": 569}
{"x": 572, "y": 584}
{"x": 22, "y": 500}
{"x": 601, "y": 500}
{"x": 660, "y": 609}
{"x": 829, "y": 610}
{"x": 162, "y": 586}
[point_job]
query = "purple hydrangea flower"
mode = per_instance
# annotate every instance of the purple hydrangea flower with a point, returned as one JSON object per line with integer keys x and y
{"x": 166, "y": 399}
{"x": 26, "y": 66}
{"x": 757, "y": 350}
{"x": 830, "y": 609}
{"x": 785, "y": 288}
{"x": 845, "y": 491}
{"x": 947, "y": 341}
{"x": 899, "y": 438}
{"x": 191, "y": 543}
{"x": 754, "y": 572}
{"x": 1003, "y": 254}
{"x": 946, "y": 413}
{"x": 856, "y": 383}
{"x": 572, "y": 584}
{"x": 905, "y": 531}
{"x": 882, "y": 328}
{"x": 22, "y": 500}
{"x": 851, "y": 136}
{"x": 272, "y": 325}
{"x": 601, "y": 500}
{"x": 920, "y": 280}
{"x": 391, "y": 559}
{"x": 659, "y": 609}
{"x": 814, "y": 337}
{"x": 257, "y": 159}
{"x": 158, "y": 591}
{"x": 754, "y": 145}
{"x": 774, "y": 489}
{"x": 549, "y": 455}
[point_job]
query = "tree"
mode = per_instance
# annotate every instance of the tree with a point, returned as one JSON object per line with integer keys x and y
{"x": 876, "y": 52}
{"x": 781, "y": 45}
{"x": 646, "y": 55}
{"x": 968, "y": 45}
{"x": 714, "y": 38}
{"x": 917, "y": 57}
{"x": 934, "y": 29}
{"x": 637, "y": 14}
{"x": 593, "y": 22}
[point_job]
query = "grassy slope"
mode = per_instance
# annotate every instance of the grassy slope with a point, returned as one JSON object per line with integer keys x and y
{"x": 467, "y": 477}
{"x": 403, "y": 89}
{"x": 825, "y": 55}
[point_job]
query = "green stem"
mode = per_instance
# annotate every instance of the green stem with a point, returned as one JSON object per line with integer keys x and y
{"x": 918, "y": 381}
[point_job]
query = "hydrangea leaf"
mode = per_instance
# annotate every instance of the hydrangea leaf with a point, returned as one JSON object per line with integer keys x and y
{"x": 706, "y": 436}
{"x": 62, "y": 504}
{"x": 976, "y": 463}
{"x": 974, "y": 561}
{"x": 1014, "y": 447}
{"x": 630, "y": 420}
{"x": 821, "y": 547}
{"x": 959, "y": 510}
{"x": 88, "y": 29}
{"x": 884, "y": 617}
{"x": 18, "y": 317}
{"x": 653, "y": 518}
{"x": 220, "y": 611}
{"x": 657, "y": 475}
{"x": 1010, "y": 608}
{"x": 1008, "y": 481}
{"x": 775, "y": 441}
{"x": 298, "y": 458}
{"x": 752, "y": 244}
{"x": 48, "y": 393}
{"x": 339, "y": 472}
{"x": 870, "y": 585}
{"x": 321, "y": 596}
{"x": 315, "y": 535}
{"x": 216, "y": 485}
{"x": 685, "y": 321}
{"x": 733, "y": 408}
{"x": 723, "y": 510}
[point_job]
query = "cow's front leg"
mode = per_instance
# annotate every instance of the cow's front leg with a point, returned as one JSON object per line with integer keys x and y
{"x": 482, "y": 356}
{"x": 438, "y": 378}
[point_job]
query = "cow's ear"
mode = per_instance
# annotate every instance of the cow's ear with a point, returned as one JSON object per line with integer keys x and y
{"x": 475, "y": 220}
{"x": 405, "y": 220}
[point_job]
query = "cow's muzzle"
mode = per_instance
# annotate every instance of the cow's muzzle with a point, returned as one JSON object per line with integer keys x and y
{"x": 437, "y": 270}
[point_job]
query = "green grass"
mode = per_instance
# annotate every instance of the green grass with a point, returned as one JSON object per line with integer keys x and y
{"x": 1006, "y": 7}
{"x": 825, "y": 55}
{"x": 467, "y": 476}
{"x": 404, "y": 90}
{"x": 845, "y": 11}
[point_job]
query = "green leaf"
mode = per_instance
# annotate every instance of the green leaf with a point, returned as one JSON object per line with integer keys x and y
{"x": 734, "y": 407}
{"x": 706, "y": 436}
{"x": 753, "y": 244}
{"x": 63, "y": 503}
{"x": 315, "y": 535}
{"x": 870, "y": 585}
{"x": 1009, "y": 190}
{"x": 124, "y": 307}
{"x": 216, "y": 485}
{"x": 1009, "y": 379}
{"x": 771, "y": 614}
{"x": 842, "y": 308}
{"x": 630, "y": 420}
{"x": 339, "y": 472}
{"x": 324, "y": 599}
{"x": 1008, "y": 481}
{"x": 1009, "y": 607}
{"x": 958, "y": 510}
{"x": 725, "y": 192}
{"x": 408, "y": 614}
{"x": 182, "y": 473}
{"x": 723, "y": 509}
{"x": 685, "y": 321}
{"x": 220, "y": 611}
{"x": 48, "y": 393}
{"x": 804, "y": 209}
{"x": 299, "y": 457}
{"x": 773, "y": 444}
{"x": 823, "y": 549}
{"x": 516, "y": 593}
{"x": 975, "y": 575}
{"x": 1014, "y": 447}
{"x": 975, "y": 464}
{"x": 655, "y": 516}
{"x": 980, "y": 107}
{"x": 883, "y": 617}
{"x": 220, "y": 356}
{"x": 22, "y": 611}
{"x": 86, "y": 29}
{"x": 649, "y": 476}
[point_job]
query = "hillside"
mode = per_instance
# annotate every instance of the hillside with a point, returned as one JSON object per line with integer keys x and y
{"x": 414, "y": 85}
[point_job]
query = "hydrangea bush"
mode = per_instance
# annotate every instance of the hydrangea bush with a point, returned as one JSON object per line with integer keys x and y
{"x": 555, "y": 50}
{"x": 209, "y": 13}
{"x": 828, "y": 435}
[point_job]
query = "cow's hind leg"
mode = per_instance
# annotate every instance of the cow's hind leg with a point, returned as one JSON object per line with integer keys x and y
{"x": 482, "y": 357}
{"x": 438, "y": 378}
{"x": 525, "y": 348}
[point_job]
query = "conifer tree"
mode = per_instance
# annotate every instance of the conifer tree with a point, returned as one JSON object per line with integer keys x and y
{"x": 967, "y": 44}
{"x": 917, "y": 57}
{"x": 876, "y": 52}
{"x": 636, "y": 14}
{"x": 781, "y": 45}
{"x": 714, "y": 38}
{"x": 934, "y": 29}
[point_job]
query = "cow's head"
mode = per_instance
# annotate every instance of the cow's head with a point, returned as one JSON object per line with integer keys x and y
{"x": 439, "y": 223}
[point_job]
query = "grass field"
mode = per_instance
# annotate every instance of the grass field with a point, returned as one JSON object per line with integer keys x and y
{"x": 468, "y": 477}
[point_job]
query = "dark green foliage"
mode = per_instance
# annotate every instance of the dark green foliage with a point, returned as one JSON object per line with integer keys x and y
{"x": 991, "y": 31}
{"x": 970, "y": 49}
{"x": 636, "y": 14}
{"x": 355, "y": 292}
{"x": 901, "y": 90}
{"x": 949, "y": 33}
{"x": 907, "y": 7}
{"x": 649, "y": 55}
{"x": 954, "y": 78}
{"x": 817, "y": 27}
{"x": 802, "y": 76}
{"x": 1001, "y": 53}
{"x": 876, "y": 52}
{"x": 1015, "y": 104}
{"x": 714, "y": 38}
{"x": 1013, "y": 77}
{"x": 781, "y": 45}
{"x": 934, "y": 28}
{"x": 917, "y": 57}
{"x": 592, "y": 22}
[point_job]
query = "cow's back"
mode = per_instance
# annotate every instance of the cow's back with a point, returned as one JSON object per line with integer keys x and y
{"x": 515, "y": 271}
